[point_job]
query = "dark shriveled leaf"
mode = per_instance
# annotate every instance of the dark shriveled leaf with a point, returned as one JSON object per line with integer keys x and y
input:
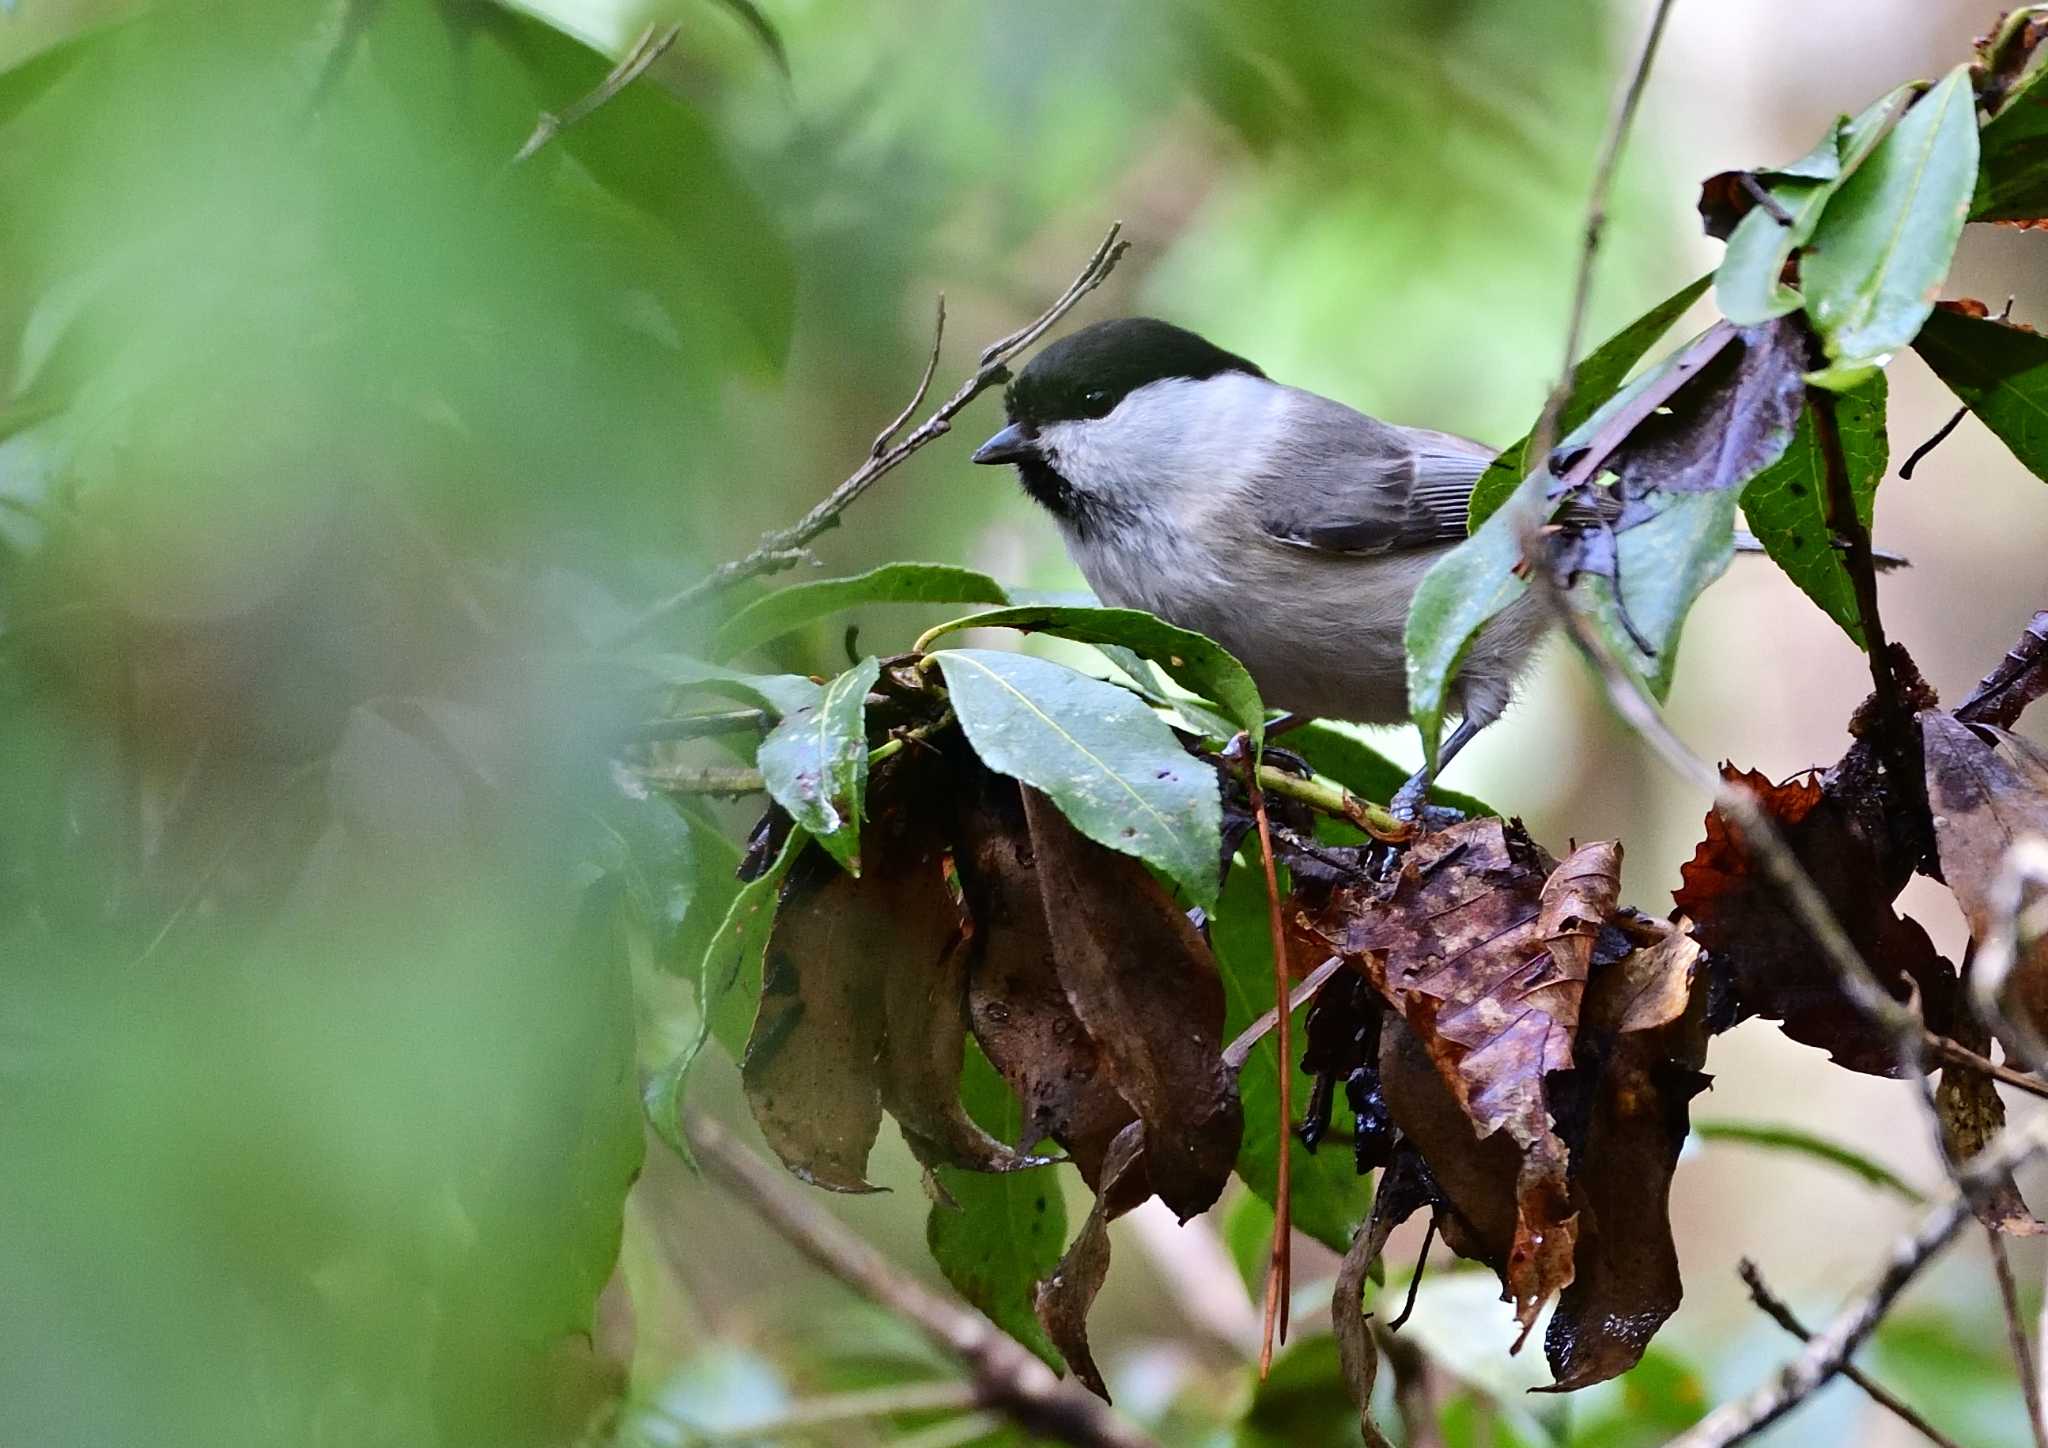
{"x": 1972, "y": 1114}
{"x": 1728, "y": 422}
{"x": 1063, "y": 1300}
{"x": 1762, "y": 957}
{"x": 1018, "y": 1009}
{"x": 1146, "y": 988}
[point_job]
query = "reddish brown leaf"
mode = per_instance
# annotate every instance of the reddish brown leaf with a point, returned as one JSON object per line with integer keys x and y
{"x": 1063, "y": 1299}
{"x": 1144, "y": 984}
{"x": 1016, "y": 1004}
{"x": 1760, "y": 952}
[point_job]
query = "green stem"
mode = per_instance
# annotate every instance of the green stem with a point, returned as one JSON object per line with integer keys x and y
{"x": 1326, "y": 796}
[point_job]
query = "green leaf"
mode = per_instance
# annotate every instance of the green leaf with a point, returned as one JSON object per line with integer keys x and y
{"x": 1594, "y": 380}
{"x": 1461, "y": 591}
{"x": 1883, "y": 246}
{"x": 791, "y": 608}
{"x": 2012, "y": 174}
{"x": 1197, "y": 717}
{"x": 782, "y": 694}
{"x": 728, "y": 991}
{"x": 1663, "y": 565}
{"x": 1195, "y": 663}
{"x": 1103, "y": 757}
{"x": 763, "y": 29}
{"x": 815, "y": 763}
{"x": 1791, "y": 1138}
{"x": 1785, "y": 503}
{"x": 1003, "y": 1231}
{"x": 1999, "y": 372}
{"x": 1747, "y": 285}
{"x": 1330, "y": 1198}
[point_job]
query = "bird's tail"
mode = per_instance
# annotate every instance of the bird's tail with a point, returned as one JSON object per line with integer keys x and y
{"x": 1746, "y": 542}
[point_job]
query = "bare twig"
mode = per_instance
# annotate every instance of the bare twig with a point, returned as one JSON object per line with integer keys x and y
{"x": 1415, "y": 1277}
{"x": 1280, "y": 1266}
{"x": 1006, "y": 1376}
{"x": 1545, "y": 435}
{"x": 1955, "y": 1053}
{"x": 699, "y": 726}
{"x": 716, "y": 779}
{"x": 1331, "y": 798}
{"x": 1919, "y": 454}
{"x": 2016, "y": 1333}
{"x": 1829, "y": 1349}
{"x": 1239, "y": 1051}
{"x": 778, "y": 549}
{"x": 650, "y": 47}
{"x": 1774, "y": 1308}
{"x": 855, "y": 1407}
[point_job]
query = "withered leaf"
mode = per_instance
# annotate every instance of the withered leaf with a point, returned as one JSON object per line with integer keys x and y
{"x": 1641, "y": 1042}
{"x": 1972, "y": 1114}
{"x": 1357, "y": 1355}
{"x": 1483, "y": 948}
{"x": 1144, "y": 984}
{"x": 1760, "y": 953}
{"x": 810, "y": 1070}
{"x": 1985, "y": 797}
{"x": 1063, "y": 1299}
{"x": 1016, "y": 1004}
{"x": 863, "y": 1004}
{"x": 1728, "y": 423}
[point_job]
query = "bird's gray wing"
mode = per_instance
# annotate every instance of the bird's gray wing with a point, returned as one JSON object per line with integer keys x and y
{"x": 1342, "y": 482}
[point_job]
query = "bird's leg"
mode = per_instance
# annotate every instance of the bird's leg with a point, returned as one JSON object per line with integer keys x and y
{"x": 1409, "y": 798}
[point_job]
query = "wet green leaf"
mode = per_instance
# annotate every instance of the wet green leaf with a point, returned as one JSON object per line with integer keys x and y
{"x": 1883, "y": 246}
{"x": 1190, "y": 660}
{"x": 1999, "y": 372}
{"x": 1594, "y": 380}
{"x": 791, "y": 608}
{"x": 1663, "y": 565}
{"x": 815, "y": 763}
{"x": 1003, "y": 1232}
{"x": 1785, "y": 503}
{"x": 1102, "y": 756}
{"x": 1747, "y": 285}
{"x": 782, "y": 694}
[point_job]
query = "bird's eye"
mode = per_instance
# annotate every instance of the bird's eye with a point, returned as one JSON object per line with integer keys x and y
{"x": 1096, "y": 404}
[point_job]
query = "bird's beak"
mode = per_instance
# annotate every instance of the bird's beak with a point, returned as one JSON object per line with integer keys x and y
{"x": 1012, "y": 445}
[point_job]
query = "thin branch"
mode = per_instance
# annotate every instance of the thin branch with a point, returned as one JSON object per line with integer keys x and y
{"x": 1326, "y": 796}
{"x": 1415, "y": 1277}
{"x": 1545, "y": 435}
{"x": 1239, "y": 1051}
{"x": 777, "y": 549}
{"x": 2016, "y": 1333}
{"x": 1920, "y": 453}
{"x": 1006, "y": 1376}
{"x": 699, "y": 726}
{"x": 1280, "y": 1266}
{"x": 642, "y": 54}
{"x": 1828, "y": 1350}
{"x": 924, "y": 385}
{"x": 1955, "y": 1053}
{"x": 1774, "y": 1308}
{"x": 714, "y": 779}
{"x": 857, "y": 1407}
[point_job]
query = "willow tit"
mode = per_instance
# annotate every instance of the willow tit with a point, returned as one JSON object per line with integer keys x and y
{"x": 1286, "y": 526}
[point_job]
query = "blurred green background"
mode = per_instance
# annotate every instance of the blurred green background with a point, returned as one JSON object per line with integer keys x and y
{"x": 332, "y": 445}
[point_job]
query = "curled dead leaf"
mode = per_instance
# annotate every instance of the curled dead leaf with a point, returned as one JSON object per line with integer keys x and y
{"x": 1063, "y": 1300}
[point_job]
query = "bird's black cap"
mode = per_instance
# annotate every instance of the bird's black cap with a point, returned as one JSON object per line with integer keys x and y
{"x": 1087, "y": 373}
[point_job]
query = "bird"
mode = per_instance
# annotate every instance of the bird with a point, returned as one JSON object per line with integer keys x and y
{"x": 1291, "y": 529}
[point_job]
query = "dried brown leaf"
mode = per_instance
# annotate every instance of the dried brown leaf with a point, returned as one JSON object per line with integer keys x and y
{"x": 1063, "y": 1300}
{"x": 811, "y": 1069}
{"x": 1357, "y": 1356}
{"x": 1145, "y": 985}
{"x": 1016, "y": 1004}
{"x": 1972, "y": 1114}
